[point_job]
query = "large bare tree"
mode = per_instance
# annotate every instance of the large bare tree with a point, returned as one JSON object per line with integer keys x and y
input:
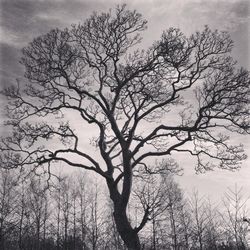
{"x": 180, "y": 95}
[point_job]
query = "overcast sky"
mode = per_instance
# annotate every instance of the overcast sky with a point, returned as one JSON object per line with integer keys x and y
{"x": 23, "y": 20}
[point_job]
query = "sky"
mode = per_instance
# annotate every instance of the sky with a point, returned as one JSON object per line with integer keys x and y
{"x": 23, "y": 20}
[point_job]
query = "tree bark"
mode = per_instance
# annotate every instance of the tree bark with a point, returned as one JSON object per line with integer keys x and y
{"x": 127, "y": 233}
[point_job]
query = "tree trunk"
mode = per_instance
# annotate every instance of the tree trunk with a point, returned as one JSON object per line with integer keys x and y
{"x": 120, "y": 201}
{"x": 154, "y": 232}
{"x": 127, "y": 233}
{"x": 124, "y": 228}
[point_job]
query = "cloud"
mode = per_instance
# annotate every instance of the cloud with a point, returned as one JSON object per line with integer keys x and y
{"x": 241, "y": 9}
{"x": 232, "y": 16}
{"x": 10, "y": 69}
{"x": 218, "y": 14}
{"x": 23, "y": 20}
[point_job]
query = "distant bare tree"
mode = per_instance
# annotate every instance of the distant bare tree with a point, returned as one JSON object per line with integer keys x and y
{"x": 176, "y": 202}
{"x": 94, "y": 73}
{"x": 213, "y": 234}
{"x": 152, "y": 203}
{"x": 8, "y": 205}
{"x": 83, "y": 204}
{"x": 164, "y": 202}
{"x": 94, "y": 225}
{"x": 38, "y": 210}
{"x": 57, "y": 198}
{"x": 234, "y": 212}
{"x": 199, "y": 219}
{"x": 66, "y": 206}
{"x": 151, "y": 195}
{"x": 22, "y": 204}
{"x": 186, "y": 222}
{"x": 74, "y": 194}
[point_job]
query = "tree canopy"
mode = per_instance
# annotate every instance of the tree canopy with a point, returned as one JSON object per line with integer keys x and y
{"x": 183, "y": 94}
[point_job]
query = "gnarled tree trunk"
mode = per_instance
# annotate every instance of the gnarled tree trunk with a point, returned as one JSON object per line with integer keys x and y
{"x": 127, "y": 233}
{"x": 124, "y": 228}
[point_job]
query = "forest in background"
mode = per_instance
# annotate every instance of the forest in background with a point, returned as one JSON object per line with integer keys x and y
{"x": 72, "y": 212}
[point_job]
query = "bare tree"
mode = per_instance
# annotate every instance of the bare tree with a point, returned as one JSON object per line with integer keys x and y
{"x": 152, "y": 203}
{"x": 74, "y": 193}
{"x": 66, "y": 209}
{"x": 94, "y": 218}
{"x": 8, "y": 205}
{"x": 38, "y": 210}
{"x": 213, "y": 234}
{"x": 162, "y": 199}
{"x": 57, "y": 198}
{"x": 170, "y": 219}
{"x": 22, "y": 210}
{"x": 151, "y": 195}
{"x": 234, "y": 212}
{"x": 175, "y": 201}
{"x": 83, "y": 204}
{"x": 95, "y": 74}
{"x": 199, "y": 219}
{"x": 186, "y": 222}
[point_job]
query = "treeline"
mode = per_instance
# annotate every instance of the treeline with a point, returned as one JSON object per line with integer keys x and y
{"x": 73, "y": 212}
